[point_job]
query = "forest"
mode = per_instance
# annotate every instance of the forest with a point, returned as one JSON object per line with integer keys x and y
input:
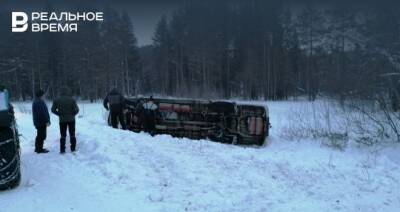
{"x": 254, "y": 49}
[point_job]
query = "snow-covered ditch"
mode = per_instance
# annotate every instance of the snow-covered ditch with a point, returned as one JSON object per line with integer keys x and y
{"x": 115, "y": 170}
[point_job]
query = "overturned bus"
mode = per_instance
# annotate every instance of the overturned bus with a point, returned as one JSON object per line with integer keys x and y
{"x": 219, "y": 121}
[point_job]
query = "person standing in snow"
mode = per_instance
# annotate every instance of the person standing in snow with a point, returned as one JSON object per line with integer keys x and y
{"x": 41, "y": 120}
{"x": 66, "y": 108}
{"x": 115, "y": 103}
{"x": 149, "y": 116}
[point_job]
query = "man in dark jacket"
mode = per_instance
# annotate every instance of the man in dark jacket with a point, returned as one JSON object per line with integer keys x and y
{"x": 115, "y": 102}
{"x": 41, "y": 120}
{"x": 149, "y": 113}
{"x": 66, "y": 108}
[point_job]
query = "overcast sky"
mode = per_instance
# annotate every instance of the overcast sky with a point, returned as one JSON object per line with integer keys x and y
{"x": 144, "y": 14}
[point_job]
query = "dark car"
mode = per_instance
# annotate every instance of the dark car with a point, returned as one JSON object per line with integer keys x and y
{"x": 10, "y": 173}
{"x": 220, "y": 121}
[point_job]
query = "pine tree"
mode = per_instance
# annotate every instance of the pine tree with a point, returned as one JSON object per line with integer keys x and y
{"x": 161, "y": 44}
{"x": 131, "y": 59}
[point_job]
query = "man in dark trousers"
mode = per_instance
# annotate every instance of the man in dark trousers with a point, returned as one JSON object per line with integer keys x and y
{"x": 66, "y": 108}
{"x": 41, "y": 120}
{"x": 115, "y": 102}
{"x": 149, "y": 113}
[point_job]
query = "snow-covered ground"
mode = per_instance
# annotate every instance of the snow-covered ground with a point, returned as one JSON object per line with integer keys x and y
{"x": 115, "y": 170}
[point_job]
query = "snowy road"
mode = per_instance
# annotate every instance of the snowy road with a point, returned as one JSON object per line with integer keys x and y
{"x": 115, "y": 170}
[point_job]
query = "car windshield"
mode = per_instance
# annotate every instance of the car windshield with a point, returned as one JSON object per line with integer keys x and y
{"x": 3, "y": 101}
